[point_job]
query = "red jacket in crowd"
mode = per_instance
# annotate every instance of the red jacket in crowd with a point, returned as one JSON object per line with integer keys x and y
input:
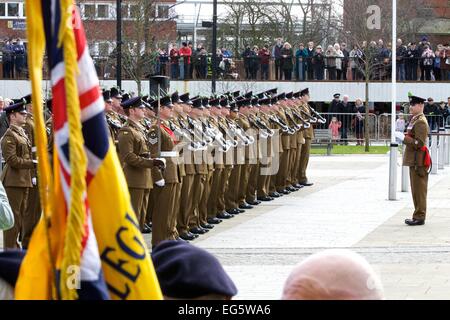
{"x": 186, "y": 52}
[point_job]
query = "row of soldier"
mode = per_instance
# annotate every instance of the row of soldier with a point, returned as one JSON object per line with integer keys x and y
{"x": 223, "y": 155}
{"x": 189, "y": 166}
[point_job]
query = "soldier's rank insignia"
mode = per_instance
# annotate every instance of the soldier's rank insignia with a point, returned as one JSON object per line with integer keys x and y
{"x": 153, "y": 138}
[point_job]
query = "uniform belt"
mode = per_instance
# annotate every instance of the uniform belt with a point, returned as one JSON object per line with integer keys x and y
{"x": 169, "y": 154}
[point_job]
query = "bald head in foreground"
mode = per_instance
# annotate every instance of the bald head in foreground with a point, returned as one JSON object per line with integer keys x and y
{"x": 333, "y": 275}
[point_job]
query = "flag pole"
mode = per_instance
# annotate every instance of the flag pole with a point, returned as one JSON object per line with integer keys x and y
{"x": 394, "y": 144}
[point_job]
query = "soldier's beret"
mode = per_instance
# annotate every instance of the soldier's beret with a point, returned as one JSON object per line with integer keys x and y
{"x": 236, "y": 94}
{"x": 17, "y": 107}
{"x": 185, "y": 98}
{"x": 224, "y": 103}
{"x": 115, "y": 93}
{"x": 413, "y": 100}
{"x": 297, "y": 94}
{"x": 255, "y": 102}
{"x": 106, "y": 95}
{"x": 166, "y": 102}
{"x": 233, "y": 106}
{"x": 205, "y": 102}
{"x": 243, "y": 103}
{"x": 248, "y": 95}
{"x": 265, "y": 101}
{"x": 281, "y": 96}
{"x": 185, "y": 271}
{"x": 10, "y": 262}
{"x": 214, "y": 102}
{"x": 197, "y": 103}
{"x": 289, "y": 95}
{"x": 305, "y": 92}
{"x": 135, "y": 102}
{"x": 176, "y": 98}
{"x": 261, "y": 95}
{"x": 274, "y": 100}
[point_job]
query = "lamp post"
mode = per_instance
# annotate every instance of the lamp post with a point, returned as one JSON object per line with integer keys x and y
{"x": 119, "y": 43}
{"x": 394, "y": 145}
{"x": 214, "y": 48}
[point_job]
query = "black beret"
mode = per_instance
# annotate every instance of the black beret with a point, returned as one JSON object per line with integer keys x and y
{"x": 261, "y": 95}
{"x": 106, "y": 95}
{"x": 274, "y": 100}
{"x": 17, "y": 107}
{"x": 413, "y": 100}
{"x": 255, "y": 102}
{"x": 289, "y": 95}
{"x": 176, "y": 98}
{"x": 205, "y": 102}
{"x": 135, "y": 102}
{"x": 265, "y": 101}
{"x": 244, "y": 103}
{"x": 185, "y": 271}
{"x": 248, "y": 95}
{"x": 233, "y": 106}
{"x": 166, "y": 102}
{"x": 297, "y": 94}
{"x": 214, "y": 102}
{"x": 10, "y": 262}
{"x": 236, "y": 94}
{"x": 115, "y": 93}
{"x": 197, "y": 103}
{"x": 305, "y": 92}
{"x": 185, "y": 98}
{"x": 224, "y": 103}
{"x": 282, "y": 96}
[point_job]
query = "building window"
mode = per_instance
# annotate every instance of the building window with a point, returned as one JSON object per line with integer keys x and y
{"x": 13, "y": 9}
{"x": 134, "y": 11}
{"x": 102, "y": 11}
{"x": 2, "y": 10}
{"x": 89, "y": 11}
{"x": 163, "y": 11}
{"x": 124, "y": 11}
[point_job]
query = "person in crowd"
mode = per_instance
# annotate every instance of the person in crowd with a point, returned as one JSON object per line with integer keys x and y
{"x": 346, "y": 108}
{"x": 359, "y": 121}
{"x": 254, "y": 63}
{"x": 345, "y": 61}
{"x": 330, "y": 55}
{"x": 246, "y": 56}
{"x": 444, "y": 113}
{"x": 190, "y": 67}
{"x": 174, "y": 62}
{"x": 400, "y": 123}
{"x": 339, "y": 61}
{"x": 428, "y": 61}
{"x": 437, "y": 62}
{"x": 412, "y": 61}
{"x": 6, "y": 213}
{"x": 356, "y": 56}
{"x": 185, "y": 60}
{"x": 431, "y": 112}
{"x": 301, "y": 58}
{"x": 163, "y": 61}
{"x": 287, "y": 55}
{"x": 401, "y": 54}
{"x": 335, "y": 126}
{"x": 20, "y": 58}
{"x": 187, "y": 272}
{"x": 276, "y": 55}
{"x": 319, "y": 63}
{"x": 264, "y": 59}
{"x": 8, "y": 60}
{"x": 445, "y": 62}
{"x": 202, "y": 61}
{"x": 310, "y": 67}
{"x": 334, "y": 274}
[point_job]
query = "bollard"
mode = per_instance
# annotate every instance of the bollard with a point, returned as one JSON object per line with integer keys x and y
{"x": 441, "y": 145}
{"x": 447, "y": 146}
{"x": 405, "y": 175}
{"x": 434, "y": 152}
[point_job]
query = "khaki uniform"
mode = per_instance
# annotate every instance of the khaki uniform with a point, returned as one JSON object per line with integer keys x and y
{"x": 225, "y": 198}
{"x": 254, "y": 154}
{"x": 16, "y": 178}
{"x": 185, "y": 200}
{"x": 266, "y": 154}
{"x": 417, "y": 133}
{"x": 136, "y": 163}
{"x": 114, "y": 125}
{"x": 246, "y": 166}
{"x": 233, "y": 188}
{"x": 209, "y": 161}
{"x": 201, "y": 173}
{"x": 33, "y": 213}
{"x": 283, "y": 171}
{"x": 165, "y": 197}
{"x": 219, "y": 166}
{"x": 277, "y": 149}
{"x": 308, "y": 134}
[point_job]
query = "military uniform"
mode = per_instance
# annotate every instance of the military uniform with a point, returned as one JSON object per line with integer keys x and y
{"x": 136, "y": 163}
{"x": 283, "y": 172}
{"x": 17, "y": 180}
{"x": 304, "y": 156}
{"x": 33, "y": 213}
{"x": 165, "y": 197}
{"x": 414, "y": 158}
{"x": 266, "y": 152}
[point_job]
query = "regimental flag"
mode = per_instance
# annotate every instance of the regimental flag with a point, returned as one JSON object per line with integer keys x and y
{"x": 89, "y": 230}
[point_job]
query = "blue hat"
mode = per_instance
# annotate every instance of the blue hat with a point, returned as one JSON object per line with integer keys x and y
{"x": 10, "y": 262}
{"x": 185, "y": 271}
{"x": 135, "y": 102}
{"x": 17, "y": 107}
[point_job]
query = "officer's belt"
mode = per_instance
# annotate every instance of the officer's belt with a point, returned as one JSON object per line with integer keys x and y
{"x": 169, "y": 154}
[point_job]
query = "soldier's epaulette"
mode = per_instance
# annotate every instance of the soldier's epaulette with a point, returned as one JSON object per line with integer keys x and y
{"x": 126, "y": 129}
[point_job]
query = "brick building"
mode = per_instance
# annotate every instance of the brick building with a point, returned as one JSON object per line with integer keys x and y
{"x": 426, "y": 18}
{"x": 99, "y": 18}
